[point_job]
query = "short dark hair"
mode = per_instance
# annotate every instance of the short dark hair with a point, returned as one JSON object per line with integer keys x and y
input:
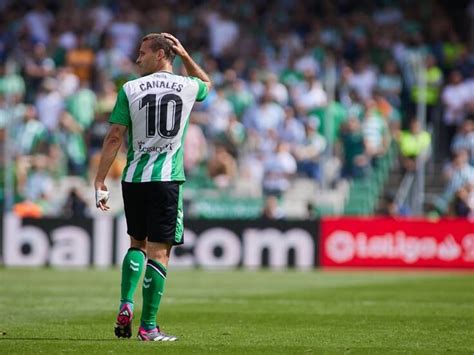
{"x": 158, "y": 41}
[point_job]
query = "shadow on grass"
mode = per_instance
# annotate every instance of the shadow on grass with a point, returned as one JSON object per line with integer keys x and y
{"x": 60, "y": 339}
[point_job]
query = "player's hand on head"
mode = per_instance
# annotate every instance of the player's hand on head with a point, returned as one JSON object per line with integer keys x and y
{"x": 175, "y": 43}
{"x": 101, "y": 196}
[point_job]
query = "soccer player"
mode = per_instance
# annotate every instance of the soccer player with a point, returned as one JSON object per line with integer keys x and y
{"x": 155, "y": 110}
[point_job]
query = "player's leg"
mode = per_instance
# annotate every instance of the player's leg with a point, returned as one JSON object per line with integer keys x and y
{"x": 165, "y": 230}
{"x": 132, "y": 270}
{"x": 134, "y": 260}
{"x": 153, "y": 289}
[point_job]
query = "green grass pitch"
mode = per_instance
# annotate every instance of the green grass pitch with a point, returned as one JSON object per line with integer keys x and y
{"x": 238, "y": 312}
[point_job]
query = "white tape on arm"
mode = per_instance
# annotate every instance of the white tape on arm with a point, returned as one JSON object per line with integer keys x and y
{"x": 101, "y": 195}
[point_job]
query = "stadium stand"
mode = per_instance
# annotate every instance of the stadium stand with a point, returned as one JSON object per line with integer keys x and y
{"x": 310, "y": 102}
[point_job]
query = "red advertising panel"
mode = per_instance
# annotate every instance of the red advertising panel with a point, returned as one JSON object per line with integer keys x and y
{"x": 383, "y": 242}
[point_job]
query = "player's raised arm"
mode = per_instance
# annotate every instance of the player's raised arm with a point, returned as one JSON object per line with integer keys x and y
{"x": 191, "y": 66}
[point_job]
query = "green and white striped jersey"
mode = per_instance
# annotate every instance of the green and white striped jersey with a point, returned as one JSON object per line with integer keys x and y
{"x": 156, "y": 109}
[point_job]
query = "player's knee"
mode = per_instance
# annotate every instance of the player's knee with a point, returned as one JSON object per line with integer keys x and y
{"x": 162, "y": 258}
{"x": 139, "y": 244}
{"x": 159, "y": 252}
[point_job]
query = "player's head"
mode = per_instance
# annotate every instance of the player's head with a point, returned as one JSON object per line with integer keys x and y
{"x": 155, "y": 52}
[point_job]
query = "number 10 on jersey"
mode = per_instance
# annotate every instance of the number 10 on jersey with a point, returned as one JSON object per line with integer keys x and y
{"x": 159, "y": 118}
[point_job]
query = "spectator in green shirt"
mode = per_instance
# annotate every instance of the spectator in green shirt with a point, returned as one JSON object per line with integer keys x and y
{"x": 11, "y": 83}
{"x": 356, "y": 161}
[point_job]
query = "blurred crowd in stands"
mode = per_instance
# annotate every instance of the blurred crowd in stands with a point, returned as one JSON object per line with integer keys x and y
{"x": 297, "y": 83}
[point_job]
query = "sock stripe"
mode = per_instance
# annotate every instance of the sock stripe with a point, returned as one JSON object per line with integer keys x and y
{"x": 157, "y": 267}
{"x": 138, "y": 249}
{"x": 157, "y": 270}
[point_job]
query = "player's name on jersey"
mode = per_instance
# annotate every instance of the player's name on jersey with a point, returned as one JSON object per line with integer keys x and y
{"x": 164, "y": 148}
{"x": 159, "y": 84}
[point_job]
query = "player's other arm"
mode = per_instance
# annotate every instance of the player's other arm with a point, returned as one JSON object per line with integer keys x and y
{"x": 191, "y": 66}
{"x": 120, "y": 121}
{"x": 112, "y": 142}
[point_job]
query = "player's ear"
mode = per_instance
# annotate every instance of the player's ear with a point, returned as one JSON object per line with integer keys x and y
{"x": 160, "y": 54}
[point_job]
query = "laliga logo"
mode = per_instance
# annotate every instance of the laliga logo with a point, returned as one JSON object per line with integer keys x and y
{"x": 340, "y": 247}
{"x": 343, "y": 246}
{"x": 449, "y": 249}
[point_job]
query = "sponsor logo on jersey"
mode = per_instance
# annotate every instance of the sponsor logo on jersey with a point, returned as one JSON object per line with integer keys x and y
{"x": 161, "y": 149}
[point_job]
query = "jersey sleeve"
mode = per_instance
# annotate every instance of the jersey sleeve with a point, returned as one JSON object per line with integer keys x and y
{"x": 202, "y": 89}
{"x": 121, "y": 112}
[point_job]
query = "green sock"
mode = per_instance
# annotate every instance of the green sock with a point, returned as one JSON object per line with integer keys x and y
{"x": 132, "y": 268}
{"x": 153, "y": 286}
